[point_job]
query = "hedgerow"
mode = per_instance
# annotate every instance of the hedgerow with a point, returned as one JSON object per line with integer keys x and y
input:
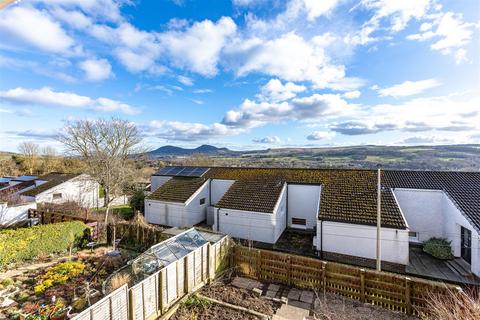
{"x": 439, "y": 248}
{"x": 27, "y": 243}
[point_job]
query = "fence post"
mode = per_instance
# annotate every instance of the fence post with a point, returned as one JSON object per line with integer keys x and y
{"x": 408, "y": 299}
{"x": 289, "y": 269}
{"x": 186, "y": 285}
{"x": 259, "y": 264}
{"x": 161, "y": 282}
{"x": 362, "y": 285}
{"x": 209, "y": 263}
{"x": 324, "y": 276}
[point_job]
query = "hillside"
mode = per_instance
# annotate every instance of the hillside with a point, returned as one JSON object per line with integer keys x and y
{"x": 173, "y": 151}
{"x": 445, "y": 157}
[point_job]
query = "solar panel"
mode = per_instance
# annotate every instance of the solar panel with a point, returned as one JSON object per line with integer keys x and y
{"x": 175, "y": 171}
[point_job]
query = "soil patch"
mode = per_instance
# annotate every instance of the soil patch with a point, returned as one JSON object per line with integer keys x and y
{"x": 213, "y": 311}
{"x": 224, "y": 291}
{"x": 332, "y": 306}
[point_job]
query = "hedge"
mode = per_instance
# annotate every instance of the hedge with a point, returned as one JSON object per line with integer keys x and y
{"x": 27, "y": 243}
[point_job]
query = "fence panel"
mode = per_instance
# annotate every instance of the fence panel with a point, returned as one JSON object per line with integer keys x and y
{"x": 391, "y": 291}
{"x": 151, "y": 297}
{"x": 114, "y": 306}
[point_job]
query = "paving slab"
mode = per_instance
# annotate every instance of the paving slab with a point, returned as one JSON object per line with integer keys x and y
{"x": 273, "y": 287}
{"x": 271, "y": 294}
{"x": 291, "y": 312}
{"x": 307, "y": 296}
{"x": 294, "y": 294}
{"x": 300, "y": 304}
{"x": 245, "y": 283}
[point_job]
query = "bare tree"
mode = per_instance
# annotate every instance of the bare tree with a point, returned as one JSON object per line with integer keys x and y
{"x": 49, "y": 157}
{"x": 30, "y": 151}
{"x": 106, "y": 147}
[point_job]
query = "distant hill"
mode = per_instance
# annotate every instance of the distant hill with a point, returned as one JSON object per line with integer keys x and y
{"x": 173, "y": 151}
{"x": 465, "y": 157}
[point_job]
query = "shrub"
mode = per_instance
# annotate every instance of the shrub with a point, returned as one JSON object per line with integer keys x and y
{"x": 439, "y": 248}
{"x": 137, "y": 200}
{"x": 27, "y": 243}
{"x": 452, "y": 306}
{"x": 59, "y": 274}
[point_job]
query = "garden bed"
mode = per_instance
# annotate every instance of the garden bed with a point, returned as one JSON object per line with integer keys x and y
{"x": 74, "y": 282}
{"x": 213, "y": 311}
{"x": 224, "y": 291}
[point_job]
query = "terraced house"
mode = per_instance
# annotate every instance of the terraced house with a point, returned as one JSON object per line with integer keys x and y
{"x": 339, "y": 206}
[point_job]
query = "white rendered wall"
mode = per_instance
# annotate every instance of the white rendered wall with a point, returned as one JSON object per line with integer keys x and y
{"x": 360, "y": 240}
{"x": 12, "y": 214}
{"x": 423, "y": 210}
{"x": 80, "y": 189}
{"x": 432, "y": 213}
{"x": 165, "y": 213}
{"x": 303, "y": 203}
{"x": 194, "y": 211}
{"x": 158, "y": 181}
{"x": 452, "y": 231}
{"x": 219, "y": 187}
{"x": 249, "y": 225}
{"x": 177, "y": 214}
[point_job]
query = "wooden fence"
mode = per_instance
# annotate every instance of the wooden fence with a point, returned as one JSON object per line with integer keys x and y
{"x": 153, "y": 296}
{"x": 391, "y": 291}
{"x": 46, "y": 216}
{"x": 134, "y": 235}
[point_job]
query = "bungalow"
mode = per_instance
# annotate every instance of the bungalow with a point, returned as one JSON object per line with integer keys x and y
{"x": 337, "y": 205}
{"x": 63, "y": 187}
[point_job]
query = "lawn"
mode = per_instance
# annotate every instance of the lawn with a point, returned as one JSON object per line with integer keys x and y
{"x": 124, "y": 211}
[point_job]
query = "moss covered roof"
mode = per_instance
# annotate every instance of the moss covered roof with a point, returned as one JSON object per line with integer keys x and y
{"x": 53, "y": 180}
{"x": 259, "y": 195}
{"x": 177, "y": 189}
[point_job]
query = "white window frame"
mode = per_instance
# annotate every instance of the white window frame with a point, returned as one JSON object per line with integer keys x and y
{"x": 413, "y": 238}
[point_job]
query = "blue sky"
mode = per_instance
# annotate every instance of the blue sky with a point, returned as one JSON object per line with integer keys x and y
{"x": 245, "y": 74}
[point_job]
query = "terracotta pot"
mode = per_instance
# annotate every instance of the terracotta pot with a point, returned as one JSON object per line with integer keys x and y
{"x": 59, "y": 317}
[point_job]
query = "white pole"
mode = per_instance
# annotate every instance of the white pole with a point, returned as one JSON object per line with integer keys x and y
{"x": 379, "y": 210}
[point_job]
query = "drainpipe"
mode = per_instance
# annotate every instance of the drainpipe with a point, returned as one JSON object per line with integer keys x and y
{"x": 218, "y": 220}
{"x": 209, "y": 192}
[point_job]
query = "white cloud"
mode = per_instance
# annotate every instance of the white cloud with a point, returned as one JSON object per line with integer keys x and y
{"x": 352, "y": 94}
{"x": 47, "y": 97}
{"x": 268, "y": 140}
{"x": 316, "y": 8}
{"x": 399, "y": 13}
{"x": 25, "y": 25}
{"x": 408, "y": 88}
{"x": 450, "y": 34}
{"x": 315, "y": 107}
{"x": 275, "y": 91}
{"x": 196, "y": 101}
{"x": 198, "y": 47}
{"x": 451, "y": 113}
{"x": 320, "y": 135}
{"x": 74, "y": 18}
{"x": 185, "y": 80}
{"x": 96, "y": 69}
{"x": 289, "y": 57}
{"x": 202, "y": 91}
{"x": 186, "y": 131}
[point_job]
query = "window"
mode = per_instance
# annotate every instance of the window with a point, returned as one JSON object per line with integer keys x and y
{"x": 202, "y": 201}
{"x": 301, "y": 222}
{"x": 57, "y": 196}
{"x": 413, "y": 236}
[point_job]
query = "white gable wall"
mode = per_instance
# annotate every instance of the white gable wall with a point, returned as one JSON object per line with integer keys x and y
{"x": 249, "y": 225}
{"x": 194, "y": 211}
{"x": 303, "y": 203}
{"x": 360, "y": 240}
{"x": 177, "y": 214}
{"x": 158, "y": 181}
{"x": 219, "y": 187}
{"x": 431, "y": 213}
{"x": 80, "y": 189}
{"x": 423, "y": 210}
